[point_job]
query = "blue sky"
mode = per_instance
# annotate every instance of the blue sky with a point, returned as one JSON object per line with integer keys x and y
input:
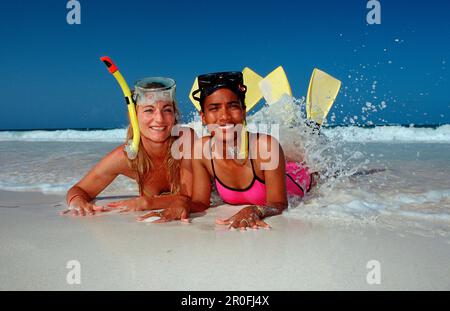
{"x": 52, "y": 76}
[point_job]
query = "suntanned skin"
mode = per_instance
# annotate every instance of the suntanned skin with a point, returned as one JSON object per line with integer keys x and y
{"x": 223, "y": 108}
{"x": 155, "y": 124}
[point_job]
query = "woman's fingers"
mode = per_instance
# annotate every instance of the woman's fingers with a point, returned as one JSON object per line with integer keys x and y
{"x": 64, "y": 212}
{"x": 89, "y": 208}
{"x": 85, "y": 209}
{"x": 234, "y": 225}
{"x": 184, "y": 215}
{"x": 125, "y": 210}
{"x": 262, "y": 224}
{"x": 166, "y": 215}
{"x": 252, "y": 223}
{"x": 81, "y": 211}
{"x": 222, "y": 221}
{"x": 148, "y": 215}
{"x": 225, "y": 221}
{"x": 237, "y": 223}
{"x": 116, "y": 204}
{"x": 244, "y": 223}
{"x": 162, "y": 219}
{"x": 100, "y": 209}
{"x": 127, "y": 206}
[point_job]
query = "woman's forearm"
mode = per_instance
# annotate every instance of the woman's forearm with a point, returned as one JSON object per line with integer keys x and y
{"x": 166, "y": 201}
{"x": 77, "y": 192}
{"x": 163, "y": 201}
{"x": 197, "y": 207}
{"x": 271, "y": 209}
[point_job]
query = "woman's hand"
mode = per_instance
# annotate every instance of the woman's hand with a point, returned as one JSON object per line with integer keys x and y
{"x": 80, "y": 207}
{"x": 247, "y": 217}
{"x": 141, "y": 203}
{"x": 178, "y": 210}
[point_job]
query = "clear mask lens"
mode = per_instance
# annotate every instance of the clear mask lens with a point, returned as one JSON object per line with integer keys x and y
{"x": 151, "y": 90}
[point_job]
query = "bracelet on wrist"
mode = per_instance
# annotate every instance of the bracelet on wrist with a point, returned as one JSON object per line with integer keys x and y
{"x": 261, "y": 211}
{"x": 74, "y": 197}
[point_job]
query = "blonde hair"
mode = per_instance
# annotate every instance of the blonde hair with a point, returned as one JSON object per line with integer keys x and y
{"x": 143, "y": 164}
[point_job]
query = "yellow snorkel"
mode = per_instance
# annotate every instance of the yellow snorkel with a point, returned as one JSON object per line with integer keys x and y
{"x": 132, "y": 146}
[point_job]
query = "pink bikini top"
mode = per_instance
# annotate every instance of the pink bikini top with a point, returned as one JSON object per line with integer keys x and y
{"x": 298, "y": 182}
{"x": 254, "y": 194}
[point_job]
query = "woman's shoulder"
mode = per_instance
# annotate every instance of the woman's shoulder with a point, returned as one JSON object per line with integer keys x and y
{"x": 117, "y": 160}
{"x": 118, "y": 153}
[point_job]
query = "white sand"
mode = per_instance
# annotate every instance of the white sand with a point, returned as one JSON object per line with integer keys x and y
{"x": 118, "y": 253}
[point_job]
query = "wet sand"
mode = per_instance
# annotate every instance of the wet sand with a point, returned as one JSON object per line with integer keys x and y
{"x": 117, "y": 253}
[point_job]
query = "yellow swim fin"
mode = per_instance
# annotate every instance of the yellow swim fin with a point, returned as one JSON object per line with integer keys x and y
{"x": 194, "y": 88}
{"x": 275, "y": 85}
{"x": 322, "y": 92}
{"x": 253, "y": 95}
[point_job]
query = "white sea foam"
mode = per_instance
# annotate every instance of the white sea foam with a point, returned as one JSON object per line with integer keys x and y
{"x": 121, "y": 185}
{"x": 46, "y": 188}
{"x": 400, "y": 134}
{"x": 409, "y": 186}
{"x": 115, "y": 135}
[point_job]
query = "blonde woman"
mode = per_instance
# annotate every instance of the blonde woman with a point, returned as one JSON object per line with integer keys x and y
{"x": 155, "y": 169}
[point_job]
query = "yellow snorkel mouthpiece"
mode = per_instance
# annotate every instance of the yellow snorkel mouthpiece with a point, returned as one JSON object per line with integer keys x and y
{"x": 132, "y": 146}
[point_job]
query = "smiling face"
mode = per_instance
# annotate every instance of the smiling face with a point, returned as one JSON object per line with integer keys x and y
{"x": 156, "y": 121}
{"x": 223, "y": 109}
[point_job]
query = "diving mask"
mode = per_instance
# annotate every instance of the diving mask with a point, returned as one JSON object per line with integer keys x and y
{"x": 209, "y": 83}
{"x": 148, "y": 91}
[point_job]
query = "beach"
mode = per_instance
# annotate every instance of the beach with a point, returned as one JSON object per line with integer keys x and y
{"x": 117, "y": 253}
{"x": 355, "y": 91}
{"x": 379, "y": 221}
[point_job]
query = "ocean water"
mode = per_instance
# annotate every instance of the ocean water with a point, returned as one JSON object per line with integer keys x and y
{"x": 391, "y": 176}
